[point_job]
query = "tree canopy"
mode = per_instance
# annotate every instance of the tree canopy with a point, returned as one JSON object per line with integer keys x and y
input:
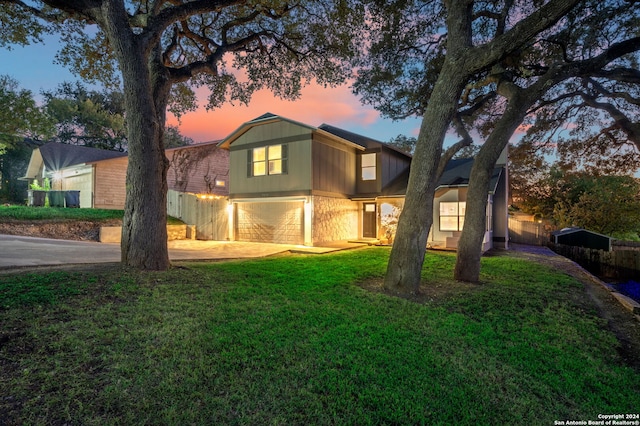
{"x": 86, "y": 117}
{"x": 20, "y": 116}
{"x": 435, "y": 59}
{"x": 159, "y": 52}
{"x": 457, "y": 50}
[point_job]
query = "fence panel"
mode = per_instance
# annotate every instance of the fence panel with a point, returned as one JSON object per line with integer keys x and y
{"x": 617, "y": 264}
{"x": 209, "y": 215}
{"x": 532, "y": 233}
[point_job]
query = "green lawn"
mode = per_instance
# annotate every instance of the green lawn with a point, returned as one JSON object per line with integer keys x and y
{"x": 26, "y": 213}
{"x": 295, "y": 340}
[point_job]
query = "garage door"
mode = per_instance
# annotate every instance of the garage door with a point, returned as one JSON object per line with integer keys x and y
{"x": 276, "y": 222}
{"x": 84, "y": 184}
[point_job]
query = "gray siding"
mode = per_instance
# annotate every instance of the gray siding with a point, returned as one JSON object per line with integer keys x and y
{"x": 334, "y": 168}
{"x": 298, "y": 176}
{"x": 392, "y": 165}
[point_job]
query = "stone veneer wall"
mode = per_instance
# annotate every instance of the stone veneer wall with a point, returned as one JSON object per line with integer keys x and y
{"x": 334, "y": 219}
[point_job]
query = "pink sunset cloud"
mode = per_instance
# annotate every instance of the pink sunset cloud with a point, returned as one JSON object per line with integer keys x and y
{"x": 316, "y": 105}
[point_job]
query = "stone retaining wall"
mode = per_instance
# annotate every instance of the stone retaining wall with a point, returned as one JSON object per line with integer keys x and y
{"x": 113, "y": 234}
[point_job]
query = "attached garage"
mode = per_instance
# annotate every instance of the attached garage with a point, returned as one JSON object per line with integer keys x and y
{"x": 83, "y": 182}
{"x": 280, "y": 222}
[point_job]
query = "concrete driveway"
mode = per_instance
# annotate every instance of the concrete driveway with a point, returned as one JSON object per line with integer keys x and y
{"x": 17, "y": 251}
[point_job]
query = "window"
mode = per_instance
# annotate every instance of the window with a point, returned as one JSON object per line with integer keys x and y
{"x": 259, "y": 161}
{"x": 275, "y": 159}
{"x": 368, "y": 166}
{"x": 268, "y": 160}
{"x": 452, "y": 215}
{"x": 220, "y": 182}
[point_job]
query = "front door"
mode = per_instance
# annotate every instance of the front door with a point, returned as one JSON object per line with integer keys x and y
{"x": 369, "y": 220}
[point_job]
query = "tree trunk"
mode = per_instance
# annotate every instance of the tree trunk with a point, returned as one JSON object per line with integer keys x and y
{"x": 410, "y": 245}
{"x": 144, "y": 226}
{"x": 470, "y": 244}
{"x": 475, "y": 219}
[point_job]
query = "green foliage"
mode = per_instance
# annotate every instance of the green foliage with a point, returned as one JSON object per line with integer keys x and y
{"x": 46, "y": 185}
{"x": 294, "y": 340}
{"x": 13, "y": 164}
{"x": 604, "y": 204}
{"x": 404, "y": 143}
{"x": 20, "y": 117}
{"x": 25, "y": 213}
{"x": 88, "y": 117}
{"x": 173, "y": 138}
{"x": 19, "y": 26}
{"x": 8, "y": 213}
{"x": 575, "y": 194}
{"x": 276, "y": 45}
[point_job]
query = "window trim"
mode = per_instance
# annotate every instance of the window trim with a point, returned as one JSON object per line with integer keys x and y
{"x": 460, "y": 207}
{"x": 267, "y": 161}
{"x": 373, "y": 167}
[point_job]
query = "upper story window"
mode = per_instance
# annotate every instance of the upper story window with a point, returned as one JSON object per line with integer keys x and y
{"x": 368, "y": 166}
{"x": 452, "y": 215}
{"x": 268, "y": 160}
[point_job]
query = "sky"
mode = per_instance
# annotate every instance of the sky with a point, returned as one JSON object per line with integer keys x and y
{"x": 34, "y": 68}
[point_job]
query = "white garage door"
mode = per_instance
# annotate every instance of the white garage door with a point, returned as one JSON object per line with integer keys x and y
{"x": 276, "y": 222}
{"x": 84, "y": 184}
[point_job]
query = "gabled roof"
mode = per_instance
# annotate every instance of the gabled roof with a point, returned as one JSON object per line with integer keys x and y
{"x": 263, "y": 119}
{"x": 455, "y": 174}
{"x": 355, "y": 140}
{"x": 574, "y": 230}
{"x": 363, "y": 141}
{"x": 57, "y": 156}
{"x": 582, "y": 238}
{"x": 193, "y": 145}
{"x": 458, "y": 171}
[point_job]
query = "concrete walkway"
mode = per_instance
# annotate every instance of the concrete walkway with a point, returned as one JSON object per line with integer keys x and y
{"x": 18, "y": 251}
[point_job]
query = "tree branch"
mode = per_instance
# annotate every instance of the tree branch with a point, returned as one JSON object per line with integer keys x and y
{"x": 527, "y": 28}
{"x": 77, "y": 8}
{"x": 448, "y": 154}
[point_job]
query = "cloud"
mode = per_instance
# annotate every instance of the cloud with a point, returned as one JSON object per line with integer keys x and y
{"x": 316, "y": 105}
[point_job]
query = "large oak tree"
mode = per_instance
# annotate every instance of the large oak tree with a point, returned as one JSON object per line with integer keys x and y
{"x": 162, "y": 49}
{"x": 461, "y": 43}
{"x": 596, "y": 45}
{"x": 494, "y": 99}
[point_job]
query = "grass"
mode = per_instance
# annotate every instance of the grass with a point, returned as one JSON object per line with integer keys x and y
{"x": 298, "y": 340}
{"x": 27, "y": 213}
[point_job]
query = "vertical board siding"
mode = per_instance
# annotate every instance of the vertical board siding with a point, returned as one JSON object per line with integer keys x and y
{"x": 533, "y": 233}
{"x": 333, "y": 169}
{"x": 209, "y": 216}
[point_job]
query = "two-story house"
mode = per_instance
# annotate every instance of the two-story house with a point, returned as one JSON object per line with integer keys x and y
{"x": 298, "y": 184}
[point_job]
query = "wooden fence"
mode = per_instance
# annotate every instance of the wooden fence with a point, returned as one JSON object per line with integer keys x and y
{"x": 625, "y": 245}
{"x": 209, "y": 215}
{"x": 533, "y": 233}
{"x": 618, "y": 264}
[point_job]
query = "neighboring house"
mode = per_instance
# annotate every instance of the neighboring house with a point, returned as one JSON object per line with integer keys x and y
{"x": 100, "y": 175}
{"x": 298, "y": 184}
